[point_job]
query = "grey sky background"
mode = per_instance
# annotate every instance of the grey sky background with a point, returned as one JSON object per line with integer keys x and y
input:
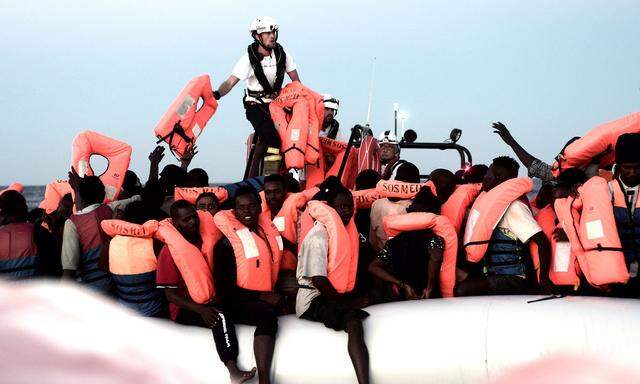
{"x": 550, "y": 70}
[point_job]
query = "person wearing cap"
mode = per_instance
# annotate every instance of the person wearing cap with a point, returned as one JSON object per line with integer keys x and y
{"x": 389, "y": 154}
{"x": 330, "y": 125}
{"x": 263, "y": 67}
{"x": 624, "y": 194}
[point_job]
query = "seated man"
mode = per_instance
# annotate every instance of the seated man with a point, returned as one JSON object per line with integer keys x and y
{"x": 318, "y": 299}
{"x": 246, "y": 266}
{"x": 380, "y": 208}
{"x": 183, "y": 309}
{"x": 26, "y": 249}
{"x": 508, "y": 267}
{"x": 411, "y": 261}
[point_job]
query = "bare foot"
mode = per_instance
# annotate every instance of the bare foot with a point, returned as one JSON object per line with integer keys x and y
{"x": 238, "y": 376}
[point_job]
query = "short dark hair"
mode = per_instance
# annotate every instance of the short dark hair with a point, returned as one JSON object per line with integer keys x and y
{"x": 136, "y": 212}
{"x": 14, "y": 205}
{"x": 275, "y": 178}
{"x": 425, "y": 201}
{"x": 198, "y": 177}
{"x": 367, "y": 179}
{"x": 570, "y": 177}
{"x": 91, "y": 190}
{"x": 475, "y": 174}
{"x": 408, "y": 173}
{"x": 177, "y": 205}
{"x": 210, "y": 195}
{"x": 330, "y": 189}
{"x": 508, "y": 165}
{"x": 246, "y": 190}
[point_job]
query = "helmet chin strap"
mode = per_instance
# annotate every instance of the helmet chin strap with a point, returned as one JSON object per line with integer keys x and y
{"x": 255, "y": 37}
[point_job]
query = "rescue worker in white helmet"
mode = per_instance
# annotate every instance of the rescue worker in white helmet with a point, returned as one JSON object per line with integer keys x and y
{"x": 330, "y": 125}
{"x": 263, "y": 67}
{"x": 389, "y": 154}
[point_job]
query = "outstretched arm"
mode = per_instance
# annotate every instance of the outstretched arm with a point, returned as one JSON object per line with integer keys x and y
{"x": 525, "y": 157}
{"x": 226, "y": 86}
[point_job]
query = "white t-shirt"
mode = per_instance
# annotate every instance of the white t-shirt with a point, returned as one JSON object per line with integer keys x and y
{"x": 312, "y": 261}
{"x": 518, "y": 222}
{"x": 243, "y": 71}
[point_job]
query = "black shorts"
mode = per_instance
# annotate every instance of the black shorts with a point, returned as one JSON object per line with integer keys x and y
{"x": 332, "y": 314}
{"x": 260, "y": 118}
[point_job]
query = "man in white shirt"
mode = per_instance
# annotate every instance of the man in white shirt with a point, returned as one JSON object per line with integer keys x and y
{"x": 263, "y": 67}
{"x": 507, "y": 264}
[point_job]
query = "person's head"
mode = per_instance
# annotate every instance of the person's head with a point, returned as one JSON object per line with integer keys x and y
{"x": 36, "y": 215}
{"x": 502, "y": 168}
{"x": 475, "y": 174}
{"x": 337, "y": 197}
{"x": 247, "y": 206}
{"x": 153, "y": 194}
{"x": 13, "y": 208}
{"x": 367, "y": 179}
{"x": 131, "y": 185}
{"x": 389, "y": 148}
{"x": 628, "y": 159}
{"x": 197, "y": 177}
{"x": 275, "y": 192}
{"x": 331, "y": 105}
{"x": 185, "y": 219}
{"x": 445, "y": 182}
{"x": 425, "y": 201}
{"x": 208, "y": 202}
{"x": 91, "y": 191}
{"x": 408, "y": 173}
{"x": 264, "y": 30}
{"x": 136, "y": 212}
{"x": 172, "y": 176}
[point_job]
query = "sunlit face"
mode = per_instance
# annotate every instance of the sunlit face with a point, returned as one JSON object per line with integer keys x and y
{"x": 388, "y": 152}
{"x": 247, "y": 210}
{"x": 268, "y": 39}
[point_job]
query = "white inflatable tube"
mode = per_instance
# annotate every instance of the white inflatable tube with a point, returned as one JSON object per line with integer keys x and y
{"x": 54, "y": 333}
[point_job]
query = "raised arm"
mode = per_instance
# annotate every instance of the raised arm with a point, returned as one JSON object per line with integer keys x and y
{"x": 525, "y": 157}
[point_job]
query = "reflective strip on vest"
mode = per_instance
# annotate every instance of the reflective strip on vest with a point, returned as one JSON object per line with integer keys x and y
{"x": 19, "y": 268}
{"x": 90, "y": 272}
{"x": 139, "y": 292}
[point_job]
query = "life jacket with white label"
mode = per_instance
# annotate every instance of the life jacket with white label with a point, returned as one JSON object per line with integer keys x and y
{"x": 258, "y": 254}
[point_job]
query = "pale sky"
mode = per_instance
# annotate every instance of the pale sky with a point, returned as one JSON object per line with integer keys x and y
{"x": 548, "y": 69}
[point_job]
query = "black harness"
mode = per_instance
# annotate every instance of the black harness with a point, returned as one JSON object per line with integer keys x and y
{"x": 255, "y": 59}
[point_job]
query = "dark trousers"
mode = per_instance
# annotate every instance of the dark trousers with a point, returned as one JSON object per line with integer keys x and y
{"x": 224, "y": 333}
{"x": 260, "y": 118}
{"x": 258, "y": 313}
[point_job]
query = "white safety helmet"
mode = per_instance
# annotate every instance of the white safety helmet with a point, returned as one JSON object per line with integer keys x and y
{"x": 387, "y": 137}
{"x": 263, "y": 24}
{"x": 330, "y": 102}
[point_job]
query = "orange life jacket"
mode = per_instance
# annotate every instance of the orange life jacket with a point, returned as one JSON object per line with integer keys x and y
{"x": 486, "y": 212}
{"x": 457, "y": 205}
{"x": 183, "y": 122}
{"x": 316, "y": 173}
{"x": 295, "y": 113}
{"x": 603, "y": 260}
{"x": 442, "y": 227}
{"x": 133, "y": 264}
{"x": 402, "y": 190}
{"x": 601, "y": 139}
{"x": 365, "y": 197}
{"x": 369, "y": 154}
{"x": 195, "y": 265}
{"x": 191, "y": 194}
{"x": 257, "y": 259}
{"x": 286, "y": 222}
{"x": 53, "y": 193}
{"x": 13, "y": 187}
{"x": 564, "y": 268}
{"x": 342, "y": 262}
{"x": 118, "y": 154}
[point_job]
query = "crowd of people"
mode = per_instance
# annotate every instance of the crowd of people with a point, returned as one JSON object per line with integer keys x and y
{"x": 313, "y": 251}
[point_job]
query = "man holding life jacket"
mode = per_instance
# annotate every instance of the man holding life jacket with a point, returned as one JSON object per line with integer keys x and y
{"x": 411, "y": 261}
{"x": 624, "y": 191}
{"x": 507, "y": 264}
{"x": 263, "y": 67}
{"x": 26, "y": 249}
{"x": 83, "y": 238}
{"x": 326, "y": 270}
{"x": 389, "y": 155}
{"x": 176, "y": 285}
{"x": 330, "y": 125}
{"x": 247, "y": 262}
{"x": 406, "y": 172}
